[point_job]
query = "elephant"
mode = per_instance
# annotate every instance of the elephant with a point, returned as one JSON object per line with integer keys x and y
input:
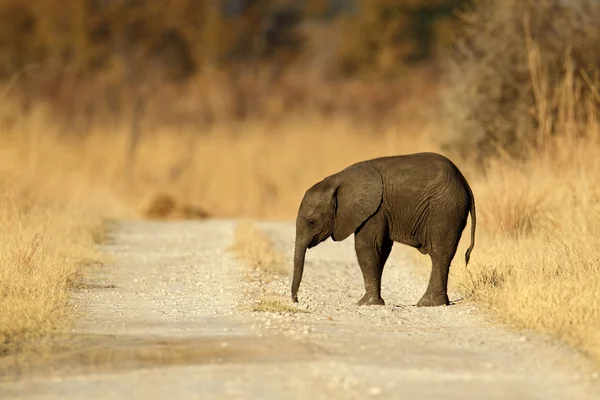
{"x": 421, "y": 200}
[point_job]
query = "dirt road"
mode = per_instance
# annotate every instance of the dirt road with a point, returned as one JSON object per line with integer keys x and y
{"x": 170, "y": 319}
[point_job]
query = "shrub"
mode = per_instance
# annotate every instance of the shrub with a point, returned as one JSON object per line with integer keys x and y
{"x": 386, "y": 37}
{"x": 509, "y": 66}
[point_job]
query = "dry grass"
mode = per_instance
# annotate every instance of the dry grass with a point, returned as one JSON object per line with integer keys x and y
{"x": 506, "y": 65}
{"x": 266, "y": 265}
{"x": 274, "y": 303}
{"x": 537, "y": 262}
{"x": 43, "y": 244}
{"x": 256, "y": 249}
{"x": 51, "y": 219}
{"x": 251, "y": 170}
{"x": 530, "y": 94}
{"x": 537, "y": 259}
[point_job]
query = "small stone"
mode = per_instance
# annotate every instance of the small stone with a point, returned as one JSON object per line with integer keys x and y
{"x": 374, "y": 391}
{"x": 522, "y": 339}
{"x": 595, "y": 375}
{"x": 224, "y": 344}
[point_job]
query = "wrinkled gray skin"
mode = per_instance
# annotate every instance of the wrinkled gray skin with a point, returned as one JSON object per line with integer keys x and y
{"x": 420, "y": 200}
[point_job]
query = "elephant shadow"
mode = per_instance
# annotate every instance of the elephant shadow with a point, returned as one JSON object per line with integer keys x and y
{"x": 457, "y": 302}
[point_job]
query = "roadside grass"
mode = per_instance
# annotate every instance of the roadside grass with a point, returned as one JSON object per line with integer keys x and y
{"x": 255, "y": 248}
{"x": 265, "y": 265}
{"x": 536, "y": 262}
{"x": 51, "y": 220}
{"x": 537, "y": 257}
{"x": 274, "y": 303}
{"x": 44, "y": 245}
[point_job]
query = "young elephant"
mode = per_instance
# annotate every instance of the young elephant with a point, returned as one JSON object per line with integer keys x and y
{"x": 421, "y": 200}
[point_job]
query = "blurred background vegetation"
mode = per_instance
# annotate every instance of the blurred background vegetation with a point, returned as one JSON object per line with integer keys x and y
{"x": 100, "y": 60}
{"x": 475, "y": 78}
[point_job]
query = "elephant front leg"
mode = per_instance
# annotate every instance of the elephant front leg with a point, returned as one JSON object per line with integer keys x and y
{"x": 371, "y": 259}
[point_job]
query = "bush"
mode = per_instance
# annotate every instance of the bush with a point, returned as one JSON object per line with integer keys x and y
{"x": 386, "y": 36}
{"x": 177, "y": 38}
{"x": 509, "y": 66}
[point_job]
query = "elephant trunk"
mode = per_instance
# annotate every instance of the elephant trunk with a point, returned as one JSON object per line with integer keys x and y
{"x": 299, "y": 255}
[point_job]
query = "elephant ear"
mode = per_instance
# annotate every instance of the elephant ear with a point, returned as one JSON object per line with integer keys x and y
{"x": 358, "y": 195}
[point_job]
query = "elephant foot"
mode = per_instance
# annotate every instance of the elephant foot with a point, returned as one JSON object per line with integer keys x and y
{"x": 371, "y": 300}
{"x": 429, "y": 300}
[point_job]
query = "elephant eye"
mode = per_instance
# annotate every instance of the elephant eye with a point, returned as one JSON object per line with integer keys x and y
{"x": 311, "y": 222}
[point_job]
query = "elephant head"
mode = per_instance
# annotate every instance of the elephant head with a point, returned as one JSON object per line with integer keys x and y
{"x": 335, "y": 207}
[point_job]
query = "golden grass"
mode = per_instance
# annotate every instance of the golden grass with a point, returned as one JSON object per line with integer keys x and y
{"x": 537, "y": 258}
{"x": 274, "y": 303}
{"x": 539, "y": 250}
{"x": 252, "y": 169}
{"x": 51, "y": 219}
{"x": 265, "y": 265}
{"x": 255, "y": 248}
{"x": 43, "y": 244}
{"x": 536, "y": 263}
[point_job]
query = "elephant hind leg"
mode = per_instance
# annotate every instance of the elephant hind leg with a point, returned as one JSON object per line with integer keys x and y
{"x": 437, "y": 288}
{"x": 444, "y": 239}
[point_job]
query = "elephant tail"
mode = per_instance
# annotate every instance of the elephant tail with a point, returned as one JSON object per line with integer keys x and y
{"x": 473, "y": 224}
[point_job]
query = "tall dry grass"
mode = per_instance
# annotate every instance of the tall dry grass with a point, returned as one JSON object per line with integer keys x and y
{"x": 51, "y": 219}
{"x": 493, "y": 102}
{"x": 255, "y": 248}
{"x": 265, "y": 265}
{"x": 250, "y": 169}
{"x": 44, "y": 244}
{"x": 537, "y": 260}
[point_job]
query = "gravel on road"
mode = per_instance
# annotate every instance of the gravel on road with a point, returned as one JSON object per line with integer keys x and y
{"x": 172, "y": 318}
